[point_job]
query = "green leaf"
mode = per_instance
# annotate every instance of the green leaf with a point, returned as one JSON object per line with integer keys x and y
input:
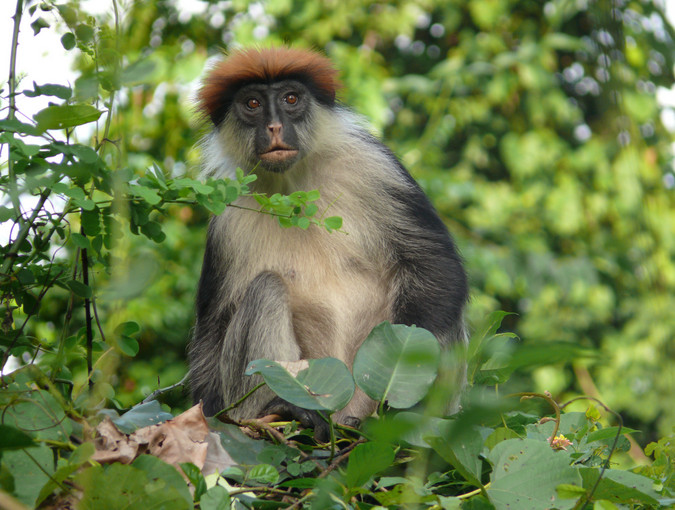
{"x": 300, "y": 483}
{"x": 311, "y": 209}
{"x": 239, "y": 446}
{"x": 397, "y": 363}
{"x": 620, "y": 486}
{"x": 68, "y": 40}
{"x": 153, "y": 230}
{"x": 81, "y": 455}
{"x": 127, "y": 328}
{"x": 325, "y": 384}
{"x": 84, "y": 32}
{"x": 608, "y": 433}
{"x": 6, "y": 213}
{"x": 196, "y": 478}
{"x": 123, "y": 486}
{"x": 125, "y": 342}
{"x": 29, "y": 477}
{"x": 25, "y": 276}
{"x": 23, "y": 148}
{"x": 498, "y": 435}
{"x": 159, "y": 472}
{"x": 55, "y": 481}
{"x": 303, "y": 223}
{"x": 65, "y": 116}
{"x": 84, "y": 153}
{"x": 215, "y": 207}
{"x": 13, "y": 439}
{"x": 49, "y": 89}
{"x": 138, "y": 72}
{"x": 313, "y": 195}
{"x": 80, "y": 289}
{"x": 91, "y": 222}
{"x": 15, "y": 126}
{"x": 80, "y": 241}
{"x": 461, "y": 449}
{"x": 216, "y": 498}
{"x": 264, "y": 473}
{"x": 87, "y": 204}
{"x": 603, "y": 504}
{"x": 566, "y": 491}
{"x": 333, "y": 222}
{"x": 147, "y": 194}
{"x": 366, "y": 460}
{"x": 526, "y": 473}
{"x": 128, "y": 345}
{"x": 486, "y": 330}
{"x": 414, "y": 428}
{"x": 141, "y": 415}
{"x": 38, "y": 25}
{"x": 74, "y": 192}
{"x": 41, "y": 414}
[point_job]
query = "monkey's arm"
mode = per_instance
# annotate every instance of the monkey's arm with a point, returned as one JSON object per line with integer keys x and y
{"x": 213, "y": 318}
{"x": 431, "y": 284}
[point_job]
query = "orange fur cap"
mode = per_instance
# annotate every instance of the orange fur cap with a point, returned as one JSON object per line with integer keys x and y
{"x": 265, "y": 65}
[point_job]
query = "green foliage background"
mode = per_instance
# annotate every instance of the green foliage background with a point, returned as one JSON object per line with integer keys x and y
{"x": 533, "y": 126}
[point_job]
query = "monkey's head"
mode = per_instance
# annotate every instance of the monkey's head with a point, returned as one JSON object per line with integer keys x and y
{"x": 263, "y": 102}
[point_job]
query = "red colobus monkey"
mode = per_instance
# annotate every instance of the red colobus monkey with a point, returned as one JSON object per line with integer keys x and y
{"x": 290, "y": 294}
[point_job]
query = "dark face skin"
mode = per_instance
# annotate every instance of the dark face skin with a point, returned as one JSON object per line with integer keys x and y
{"x": 273, "y": 113}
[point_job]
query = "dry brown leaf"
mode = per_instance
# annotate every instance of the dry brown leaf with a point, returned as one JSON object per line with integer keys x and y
{"x": 113, "y": 445}
{"x": 182, "y": 439}
{"x": 217, "y": 458}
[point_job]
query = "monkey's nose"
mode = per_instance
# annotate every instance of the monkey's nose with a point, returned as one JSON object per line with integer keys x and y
{"x": 274, "y": 128}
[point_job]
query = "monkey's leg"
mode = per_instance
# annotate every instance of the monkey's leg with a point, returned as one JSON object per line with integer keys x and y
{"x": 261, "y": 327}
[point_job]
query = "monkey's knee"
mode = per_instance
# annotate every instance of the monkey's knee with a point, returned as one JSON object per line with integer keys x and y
{"x": 262, "y": 325}
{"x": 267, "y": 290}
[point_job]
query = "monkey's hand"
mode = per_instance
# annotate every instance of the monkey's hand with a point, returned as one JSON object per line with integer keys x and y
{"x": 306, "y": 418}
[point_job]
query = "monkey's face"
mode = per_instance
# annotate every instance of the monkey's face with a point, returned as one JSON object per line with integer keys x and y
{"x": 272, "y": 120}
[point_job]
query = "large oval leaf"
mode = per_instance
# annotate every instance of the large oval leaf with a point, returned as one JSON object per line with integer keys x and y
{"x": 519, "y": 481}
{"x": 66, "y": 115}
{"x": 325, "y": 384}
{"x": 397, "y": 363}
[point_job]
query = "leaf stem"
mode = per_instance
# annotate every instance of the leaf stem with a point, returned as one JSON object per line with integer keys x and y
{"x": 23, "y": 233}
{"x": 238, "y": 402}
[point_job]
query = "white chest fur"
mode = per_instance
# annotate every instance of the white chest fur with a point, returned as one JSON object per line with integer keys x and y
{"x": 338, "y": 283}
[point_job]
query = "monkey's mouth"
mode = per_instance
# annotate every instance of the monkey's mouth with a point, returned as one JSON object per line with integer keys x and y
{"x": 278, "y": 154}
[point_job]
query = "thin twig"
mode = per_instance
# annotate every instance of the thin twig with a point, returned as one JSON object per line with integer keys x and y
{"x": 23, "y": 234}
{"x": 238, "y": 402}
{"x": 338, "y": 460}
{"x": 87, "y": 316}
{"x": 269, "y": 490}
{"x": 161, "y": 391}
{"x": 553, "y": 404}
{"x": 13, "y": 189}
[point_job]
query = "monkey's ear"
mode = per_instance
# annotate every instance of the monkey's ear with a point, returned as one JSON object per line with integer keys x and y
{"x": 306, "y": 418}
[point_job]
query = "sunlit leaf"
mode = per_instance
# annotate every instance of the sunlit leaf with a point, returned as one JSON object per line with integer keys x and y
{"x": 65, "y": 116}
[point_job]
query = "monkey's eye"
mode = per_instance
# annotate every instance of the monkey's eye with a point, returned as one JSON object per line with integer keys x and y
{"x": 291, "y": 99}
{"x": 252, "y": 104}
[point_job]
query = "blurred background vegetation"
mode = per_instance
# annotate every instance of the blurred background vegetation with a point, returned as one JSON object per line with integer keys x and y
{"x": 534, "y": 126}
